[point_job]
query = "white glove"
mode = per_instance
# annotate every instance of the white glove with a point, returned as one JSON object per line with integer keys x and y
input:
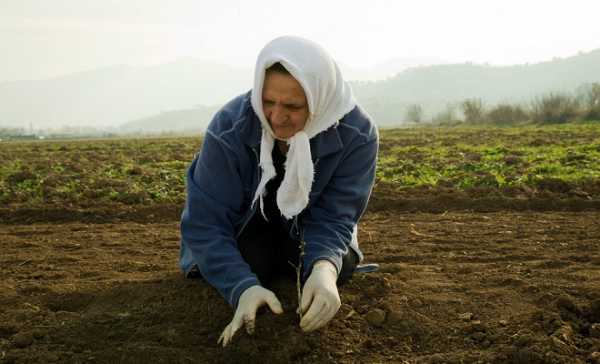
{"x": 320, "y": 297}
{"x": 250, "y": 301}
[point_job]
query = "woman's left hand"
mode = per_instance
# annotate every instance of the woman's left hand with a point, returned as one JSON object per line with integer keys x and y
{"x": 320, "y": 298}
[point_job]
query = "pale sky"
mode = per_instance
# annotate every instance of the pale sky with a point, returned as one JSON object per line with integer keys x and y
{"x": 47, "y": 38}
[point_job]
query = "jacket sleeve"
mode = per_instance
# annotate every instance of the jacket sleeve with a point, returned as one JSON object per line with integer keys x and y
{"x": 328, "y": 224}
{"x": 213, "y": 204}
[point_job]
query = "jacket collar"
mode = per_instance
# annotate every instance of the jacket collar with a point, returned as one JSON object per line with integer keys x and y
{"x": 326, "y": 142}
{"x": 253, "y": 130}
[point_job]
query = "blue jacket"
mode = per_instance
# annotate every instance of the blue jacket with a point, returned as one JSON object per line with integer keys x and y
{"x": 223, "y": 177}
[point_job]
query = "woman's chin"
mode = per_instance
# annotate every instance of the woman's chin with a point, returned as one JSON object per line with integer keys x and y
{"x": 283, "y": 136}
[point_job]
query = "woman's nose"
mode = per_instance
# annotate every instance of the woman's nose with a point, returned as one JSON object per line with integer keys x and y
{"x": 277, "y": 114}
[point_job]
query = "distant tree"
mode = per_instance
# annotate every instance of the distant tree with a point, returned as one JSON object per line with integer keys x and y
{"x": 12, "y": 132}
{"x": 446, "y": 116}
{"x": 414, "y": 113}
{"x": 555, "y": 108}
{"x": 506, "y": 113}
{"x": 473, "y": 110}
{"x": 592, "y": 101}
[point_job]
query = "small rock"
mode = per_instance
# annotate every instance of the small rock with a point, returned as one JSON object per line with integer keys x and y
{"x": 10, "y": 357}
{"x": 503, "y": 322}
{"x": 564, "y": 333}
{"x": 369, "y": 344}
{"x": 299, "y": 345}
{"x": 38, "y": 334}
{"x": 51, "y": 357}
{"x": 350, "y": 314}
{"x": 376, "y": 317}
{"x": 4, "y": 344}
{"x": 386, "y": 283}
{"x": 22, "y": 339}
{"x": 595, "y": 311}
{"x": 394, "y": 317}
{"x": 566, "y": 303}
{"x": 526, "y": 355}
{"x": 475, "y": 326}
{"x": 403, "y": 299}
{"x": 169, "y": 336}
{"x": 479, "y": 336}
{"x": 594, "y": 357}
{"x": 561, "y": 347}
{"x": 580, "y": 193}
{"x": 523, "y": 340}
{"x": 467, "y": 316}
{"x": 595, "y": 330}
{"x": 436, "y": 359}
{"x": 8, "y": 329}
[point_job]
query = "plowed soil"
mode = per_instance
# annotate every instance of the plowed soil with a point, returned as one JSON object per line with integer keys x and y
{"x": 454, "y": 287}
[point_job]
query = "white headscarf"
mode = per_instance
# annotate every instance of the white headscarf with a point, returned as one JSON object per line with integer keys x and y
{"x": 329, "y": 98}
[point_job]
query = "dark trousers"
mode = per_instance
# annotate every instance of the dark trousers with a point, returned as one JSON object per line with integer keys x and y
{"x": 271, "y": 252}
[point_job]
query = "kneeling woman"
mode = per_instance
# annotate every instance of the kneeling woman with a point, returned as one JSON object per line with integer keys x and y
{"x": 291, "y": 161}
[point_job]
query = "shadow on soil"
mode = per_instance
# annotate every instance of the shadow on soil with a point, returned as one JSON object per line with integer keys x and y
{"x": 168, "y": 320}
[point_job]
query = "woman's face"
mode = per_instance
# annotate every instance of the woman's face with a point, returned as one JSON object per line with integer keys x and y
{"x": 284, "y": 104}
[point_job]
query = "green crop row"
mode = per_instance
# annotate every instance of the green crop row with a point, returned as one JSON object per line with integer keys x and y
{"x": 490, "y": 157}
{"x": 86, "y": 173}
{"x": 148, "y": 171}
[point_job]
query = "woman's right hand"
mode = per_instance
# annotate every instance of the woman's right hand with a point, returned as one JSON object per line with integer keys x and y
{"x": 250, "y": 301}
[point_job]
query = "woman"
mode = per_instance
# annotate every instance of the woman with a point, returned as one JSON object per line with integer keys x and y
{"x": 292, "y": 160}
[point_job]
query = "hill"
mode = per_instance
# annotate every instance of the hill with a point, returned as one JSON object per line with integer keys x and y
{"x": 434, "y": 87}
{"x": 180, "y": 121}
{"x": 114, "y": 95}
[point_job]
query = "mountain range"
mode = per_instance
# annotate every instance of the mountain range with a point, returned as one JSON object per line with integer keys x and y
{"x": 184, "y": 94}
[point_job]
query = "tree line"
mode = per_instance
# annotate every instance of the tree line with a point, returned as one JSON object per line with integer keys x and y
{"x": 551, "y": 108}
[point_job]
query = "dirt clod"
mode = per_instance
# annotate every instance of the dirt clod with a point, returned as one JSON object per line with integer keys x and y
{"x": 594, "y": 357}
{"x": 595, "y": 331}
{"x": 527, "y": 356}
{"x": 467, "y": 316}
{"x": 23, "y": 339}
{"x": 479, "y": 336}
{"x": 561, "y": 347}
{"x": 564, "y": 333}
{"x": 394, "y": 316}
{"x": 565, "y": 303}
{"x": 475, "y": 326}
{"x": 7, "y": 330}
{"x": 594, "y": 313}
{"x": 10, "y": 357}
{"x": 376, "y": 317}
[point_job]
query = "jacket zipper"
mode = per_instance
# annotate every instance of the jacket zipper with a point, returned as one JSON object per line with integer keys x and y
{"x": 295, "y": 230}
{"x": 252, "y": 207}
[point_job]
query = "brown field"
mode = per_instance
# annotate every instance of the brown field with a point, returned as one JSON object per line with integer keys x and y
{"x": 477, "y": 275}
{"x": 455, "y": 287}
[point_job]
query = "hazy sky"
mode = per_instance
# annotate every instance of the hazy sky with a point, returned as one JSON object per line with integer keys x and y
{"x": 45, "y": 38}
